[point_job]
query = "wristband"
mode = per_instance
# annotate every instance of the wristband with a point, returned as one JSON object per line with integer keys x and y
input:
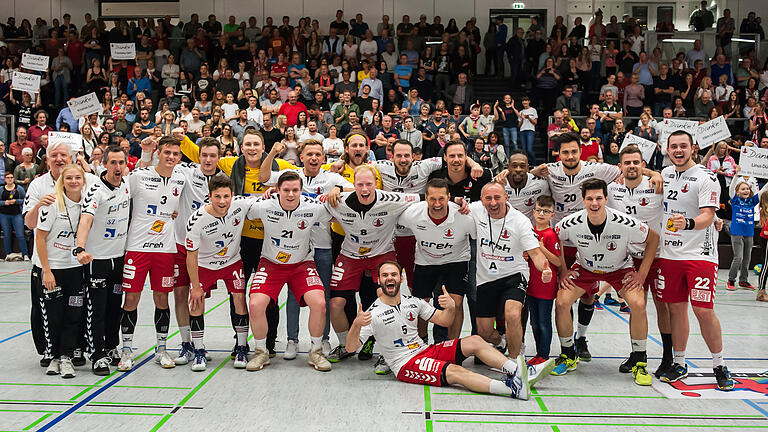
{"x": 146, "y": 156}
{"x": 689, "y": 224}
{"x": 77, "y": 250}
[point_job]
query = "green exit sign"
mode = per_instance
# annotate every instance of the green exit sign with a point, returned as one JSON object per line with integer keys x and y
{"x": 518, "y": 5}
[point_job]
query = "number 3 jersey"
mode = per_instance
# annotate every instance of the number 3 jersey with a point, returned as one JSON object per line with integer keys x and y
{"x": 110, "y": 207}
{"x": 603, "y": 248}
{"x": 685, "y": 193}
{"x": 217, "y": 239}
{"x": 155, "y": 198}
{"x": 395, "y": 329}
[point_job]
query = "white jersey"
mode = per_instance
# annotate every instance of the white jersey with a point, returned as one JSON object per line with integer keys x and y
{"x": 524, "y": 199}
{"x": 439, "y": 244}
{"x": 370, "y": 229}
{"x": 287, "y": 234}
{"x": 501, "y": 243}
{"x": 607, "y": 250}
{"x": 321, "y": 184}
{"x": 415, "y": 182}
{"x": 110, "y": 207}
{"x": 394, "y": 328}
{"x": 155, "y": 198}
{"x": 642, "y": 203}
{"x": 566, "y": 189}
{"x": 61, "y": 227}
{"x": 685, "y": 193}
{"x": 193, "y": 197}
{"x": 216, "y": 239}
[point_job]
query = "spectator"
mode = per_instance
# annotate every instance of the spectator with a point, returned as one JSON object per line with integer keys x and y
{"x": 11, "y": 220}
{"x": 461, "y": 93}
{"x": 702, "y": 18}
{"x": 7, "y": 162}
{"x": 21, "y": 143}
{"x": 566, "y": 100}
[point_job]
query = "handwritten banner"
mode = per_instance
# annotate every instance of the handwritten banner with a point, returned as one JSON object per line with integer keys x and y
{"x": 84, "y": 105}
{"x": 123, "y": 51}
{"x": 754, "y": 162}
{"x": 75, "y": 141}
{"x": 647, "y": 147}
{"x": 712, "y": 132}
{"x": 671, "y": 125}
{"x": 34, "y": 62}
{"x": 26, "y": 82}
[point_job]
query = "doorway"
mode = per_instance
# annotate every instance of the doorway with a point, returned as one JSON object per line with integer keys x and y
{"x": 515, "y": 18}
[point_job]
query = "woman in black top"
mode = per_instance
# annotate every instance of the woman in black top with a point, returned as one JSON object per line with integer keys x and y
{"x": 11, "y": 199}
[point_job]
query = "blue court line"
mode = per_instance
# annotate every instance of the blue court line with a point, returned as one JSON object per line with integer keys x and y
{"x": 15, "y": 336}
{"x": 756, "y": 406}
{"x": 93, "y": 395}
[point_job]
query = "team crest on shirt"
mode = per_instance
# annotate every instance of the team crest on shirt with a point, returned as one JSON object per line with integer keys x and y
{"x": 411, "y": 316}
{"x": 448, "y": 233}
{"x": 175, "y": 192}
{"x": 363, "y": 250}
{"x": 685, "y": 188}
{"x": 530, "y": 202}
{"x": 505, "y": 234}
{"x": 236, "y": 222}
{"x": 302, "y": 224}
{"x": 611, "y": 246}
{"x": 157, "y": 226}
{"x": 283, "y": 257}
{"x": 378, "y": 222}
{"x": 644, "y": 202}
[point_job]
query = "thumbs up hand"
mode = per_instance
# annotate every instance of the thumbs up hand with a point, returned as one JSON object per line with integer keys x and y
{"x": 363, "y": 318}
{"x": 445, "y": 300}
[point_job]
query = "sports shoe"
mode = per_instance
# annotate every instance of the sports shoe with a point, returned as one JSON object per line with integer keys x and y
{"x": 535, "y": 360}
{"x": 338, "y": 354}
{"x": 674, "y": 373}
{"x": 53, "y": 367}
{"x": 641, "y": 375}
{"x": 624, "y": 308}
{"x": 272, "y": 352}
{"x": 626, "y": 365}
{"x": 723, "y": 377}
{"x": 518, "y": 382}
{"x": 761, "y": 297}
{"x": 563, "y": 365}
{"x": 258, "y": 361}
{"x": 582, "y": 351}
{"x": 729, "y": 286}
{"x": 233, "y": 354}
{"x": 46, "y": 360}
{"x": 241, "y": 357}
{"x": 318, "y": 361}
{"x": 186, "y": 354}
{"x": 114, "y": 356}
{"x": 291, "y": 348}
{"x": 381, "y": 367}
{"x": 66, "y": 367}
{"x": 326, "y": 347}
{"x": 126, "y": 360}
{"x": 78, "y": 359}
{"x": 540, "y": 371}
{"x": 664, "y": 366}
{"x": 199, "y": 363}
{"x": 101, "y": 367}
{"x": 164, "y": 359}
{"x": 610, "y": 301}
{"x": 366, "y": 352}
{"x": 747, "y": 285}
{"x": 634, "y": 357}
{"x": 598, "y": 305}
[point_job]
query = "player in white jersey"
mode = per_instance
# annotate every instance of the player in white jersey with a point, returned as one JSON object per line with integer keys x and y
{"x": 287, "y": 259}
{"x": 442, "y": 249}
{"x": 212, "y": 242}
{"x": 315, "y": 181}
{"x": 688, "y": 259}
{"x": 193, "y": 197}
{"x": 603, "y": 237}
{"x": 522, "y": 187}
{"x": 637, "y": 198}
{"x": 101, "y": 237}
{"x": 504, "y": 237}
{"x": 40, "y": 193}
{"x": 62, "y": 275}
{"x": 392, "y": 321}
{"x": 368, "y": 217}
{"x": 155, "y": 193}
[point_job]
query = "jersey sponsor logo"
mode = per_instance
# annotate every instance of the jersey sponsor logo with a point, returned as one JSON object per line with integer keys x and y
{"x": 314, "y": 281}
{"x": 129, "y": 271}
{"x": 505, "y": 234}
{"x": 363, "y": 250}
{"x": 236, "y": 222}
{"x": 190, "y": 244}
{"x": 157, "y": 226}
{"x": 168, "y": 282}
{"x": 222, "y": 252}
{"x": 62, "y": 246}
{"x": 411, "y": 316}
{"x": 302, "y": 224}
{"x": 283, "y": 257}
{"x": 701, "y": 295}
{"x": 155, "y": 245}
{"x": 611, "y": 246}
{"x": 196, "y": 205}
{"x": 713, "y": 197}
{"x": 151, "y": 209}
{"x": 530, "y": 202}
{"x": 175, "y": 192}
{"x": 644, "y": 202}
{"x": 110, "y": 232}
{"x": 671, "y": 225}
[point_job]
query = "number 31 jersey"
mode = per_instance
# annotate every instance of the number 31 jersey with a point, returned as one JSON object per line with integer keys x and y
{"x": 155, "y": 198}
{"x": 216, "y": 239}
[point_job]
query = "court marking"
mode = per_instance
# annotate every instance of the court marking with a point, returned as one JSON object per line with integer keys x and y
{"x": 16, "y": 335}
{"x": 635, "y": 425}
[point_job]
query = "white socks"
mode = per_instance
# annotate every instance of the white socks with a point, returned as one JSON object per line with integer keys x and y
{"x": 566, "y": 341}
{"x": 342, "y": 337}
{"x": 717, "y": 359}
{"x": 638, "y": 344}
{"x": 186, "y": 333}
{"x": 317, "y": 342}
{"x": 679, "y": 357}
{"x": 509, "y": 367}
{"x": 261, "y": 344}
{"x": 499, "y": 388}
{"x": 581, "y": 330}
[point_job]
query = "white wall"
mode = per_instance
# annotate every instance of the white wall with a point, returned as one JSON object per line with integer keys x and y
{"x": 49, "y": 9}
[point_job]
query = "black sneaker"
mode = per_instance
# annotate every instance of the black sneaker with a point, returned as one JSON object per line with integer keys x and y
{"x": 114, "y": 357}
{"x": 101, "y": 366}
{"x": 79, "y": 358}
{"x": 723, "y": 377}
{"x": 630, "y": 362}
{"x": 233, "y": 354}
{"x": 664, "y": 366}
{"x": 582, "y": 351}
{"x": 366, "y": 353}
{"x": 675, "y": 372}
{"x": 45, "y": 361}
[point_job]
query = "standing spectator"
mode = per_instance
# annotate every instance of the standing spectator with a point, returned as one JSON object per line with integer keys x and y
{"x": 461, "y": 93}
{"x": 726, "y": 25}
{"x": 61, "y": 67}
{"x": 742, "y": 231}
{"x": 528, "y": 120}
{"x": 7, "y": 162}
{"x": 702, "y": 18}
{"x": 507, "y": 118}
{"x": 11, "y": 199}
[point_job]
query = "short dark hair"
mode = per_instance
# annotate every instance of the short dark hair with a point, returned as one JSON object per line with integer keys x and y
{"x": 594, "y": 184}
{"x": 208, "y": 142}
{"x": 389, "y": 262}
{"x": 454, "y": 143}
{"x": 568, "y": 137}
{"x": 681, "y": 132}
{"x": 289, "y": 176}
{"x": 167, "y": 140}
{"x": 113, "y": 149}
{"x": 438, "y": 183}
{"x": 630, "y": 149}
{"x": 545, "y": 201}
{"x": 220, "y": 181}
{"x": 403, "y": 142}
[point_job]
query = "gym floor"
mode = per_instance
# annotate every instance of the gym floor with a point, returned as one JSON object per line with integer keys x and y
{"x": 290, "y": 395}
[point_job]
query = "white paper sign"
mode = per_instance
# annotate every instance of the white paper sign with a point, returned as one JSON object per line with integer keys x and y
{"x": 84, "y": 105}
{"x": 123, "y": 51}
{"x": 74, "y": 140}
{"x": 647, "y": 147}
{"x": 712, "y": 131}
{"x": 754, "y": 162}
{"x": 26, "y": 82}
{"x": 34, "y": 62}
{"x": 670, "y": 125}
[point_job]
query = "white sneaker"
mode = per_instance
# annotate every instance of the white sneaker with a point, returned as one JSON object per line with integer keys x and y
{"x": 126, "y": 360}
{"x": 66, "y": 367}
{"x": 291, "y": 349}
{"x": 538, "y": 372}
{"x": 326, "y": 347}
{"x": 318, "y": 360}
{"x": 518, "y": 382}
{"x": 258, "y": 361}
{"x": 199, "y": 363}
{"x": 53, "y": 367}
{"x": 241, "y": 357}
{"x": 186, "y": 354}
{"x": 164, "y": 359}
{"x": 381, "y": 367}
{"x": 26, "y": 258}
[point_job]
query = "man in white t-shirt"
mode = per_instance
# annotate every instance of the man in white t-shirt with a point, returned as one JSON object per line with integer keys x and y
{"x": 311, "y": 133}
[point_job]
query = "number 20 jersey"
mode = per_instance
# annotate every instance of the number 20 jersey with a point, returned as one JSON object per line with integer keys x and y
{"x": 155, "y": 198}
{"x": 566, "y": 189}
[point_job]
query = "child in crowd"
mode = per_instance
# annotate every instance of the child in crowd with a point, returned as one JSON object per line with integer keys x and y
{"x": 743, "y": 205}
{"x": 761, "y": 294}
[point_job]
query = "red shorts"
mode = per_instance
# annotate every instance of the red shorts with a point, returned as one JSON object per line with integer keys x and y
{"x": 301, "y": 278}
{"x": 405, "y": 249}
{"x": 180, "y": 266}
{"x": 680, "y": 281}
{"x": 159, "y": 265}
{"x": 652, "y": 280}
{"x": 590, "y": 282}
{"x": 569, "y": 254}
{"x": 428, "y": 367}
{"x": 347, "y": 271}
{"x": 232, "y": 275}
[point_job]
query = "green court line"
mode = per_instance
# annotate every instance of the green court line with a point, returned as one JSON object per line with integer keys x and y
{"x": 151, "y": 387}
{"x": 428, "y": 408}
{"x": 32, "y": 400}
{"x": 625, "y": 414}
{"x": 30, "y": 411}
{"x": 543, "y": 407}
{"x": 38, "y": 421}
{"x": 554, "y": 395}
{"x": 120, "y": 413}
{"x": 605, "y": 424}
{"x": 93, "y": 386}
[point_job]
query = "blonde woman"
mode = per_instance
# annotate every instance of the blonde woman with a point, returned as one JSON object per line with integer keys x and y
{"x": 62, "y": 274}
